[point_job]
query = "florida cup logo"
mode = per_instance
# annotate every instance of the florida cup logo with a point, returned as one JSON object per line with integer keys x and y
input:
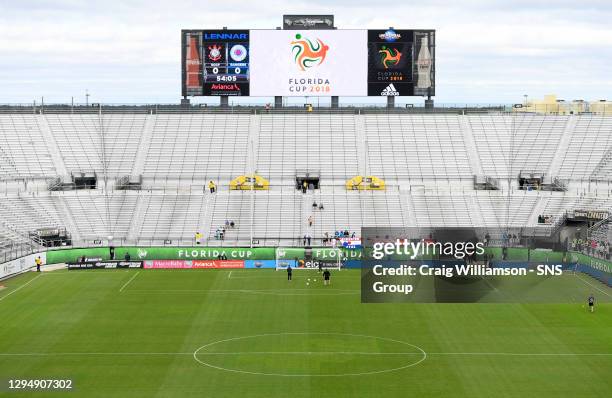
{"x": 390, "y": 56}
{"x": 308, "y": 53}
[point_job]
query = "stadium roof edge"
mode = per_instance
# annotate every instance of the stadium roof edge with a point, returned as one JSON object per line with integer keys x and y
{"x": 242, "y": 109}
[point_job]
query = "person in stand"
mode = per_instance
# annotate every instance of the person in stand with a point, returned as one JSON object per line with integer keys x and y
{"x": 307, "y": 237}
{"x": 198, "y": 237}
{"x": 321, "y": 206}
{"x": 326, "y": 277}
{"x": 38, "y": 262}
{"x": 212, "y": 186}
{"x": 591, "y": 301}
{"x": 289, "y": 272}
{"x": 111, "y": 250}
{"x": 310, "y": 221}
{"x": 314, "y": 205}
{"x": 304, "y": 186}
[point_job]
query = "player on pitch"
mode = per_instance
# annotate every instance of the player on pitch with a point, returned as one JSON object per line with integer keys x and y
{"x": 326, "y": 277}
{"x": 591, "y": 301}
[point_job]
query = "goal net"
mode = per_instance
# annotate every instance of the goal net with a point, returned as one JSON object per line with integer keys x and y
{"x": 299, "y": 258}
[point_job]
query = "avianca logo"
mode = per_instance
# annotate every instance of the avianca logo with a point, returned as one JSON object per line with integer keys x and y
{"x": 390, "y": 56}
{"x": 307, "y": 53}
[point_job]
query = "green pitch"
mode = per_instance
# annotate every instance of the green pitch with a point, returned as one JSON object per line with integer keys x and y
{"x": 250, "y": 333}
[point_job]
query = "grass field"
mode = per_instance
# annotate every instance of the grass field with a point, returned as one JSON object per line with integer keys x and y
{"x": 250, "y": 333}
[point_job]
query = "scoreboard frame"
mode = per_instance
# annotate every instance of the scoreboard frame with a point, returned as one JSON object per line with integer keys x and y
{"x": 218, "y": 63}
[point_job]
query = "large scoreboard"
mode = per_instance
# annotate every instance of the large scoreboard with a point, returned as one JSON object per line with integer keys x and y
{"x": 216, "y": 62}
{"x": 296, "y": 62}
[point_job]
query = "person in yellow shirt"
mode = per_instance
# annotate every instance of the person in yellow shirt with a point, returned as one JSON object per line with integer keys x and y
{"x": 38, "y": 262}
{"x": 198, "y": 237}
{"x": 212, "y": 186}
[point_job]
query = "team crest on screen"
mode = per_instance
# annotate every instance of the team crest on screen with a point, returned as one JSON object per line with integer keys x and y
{"x": 215, "y": 52}
{"x": 308, "y": 53}
{"x": 238, "y": 53}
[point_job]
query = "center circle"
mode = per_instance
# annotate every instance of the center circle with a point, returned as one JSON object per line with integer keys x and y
{"x": 309, "y": 354}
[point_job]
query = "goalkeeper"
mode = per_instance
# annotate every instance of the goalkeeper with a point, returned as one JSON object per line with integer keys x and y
{"x": 326, "y": 277}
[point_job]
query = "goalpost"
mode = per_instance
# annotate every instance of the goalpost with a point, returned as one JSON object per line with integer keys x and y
{"x": 328, "y": 258}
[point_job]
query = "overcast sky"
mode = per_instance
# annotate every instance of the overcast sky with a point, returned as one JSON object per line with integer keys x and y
{"x": 488, "y": 51}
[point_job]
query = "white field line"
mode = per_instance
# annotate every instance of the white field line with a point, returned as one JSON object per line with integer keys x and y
{"x": 62, "y": 354}
{"x": 517, "y": 354}
{"x": 297, "y": 276}
{"x": 246, "y": 290}
{"x": 489, "y": 284}
{"x": 278, "y": 292}
{"x": 128, "y": 282}
{"x": 21, "y": 287}
{"x": 398, "y": 353}
{"x": 525, "y": 354}
{"x": 590, "y": 284}
{"x": 308, "y": 353}
{"x": 229, "y": 276}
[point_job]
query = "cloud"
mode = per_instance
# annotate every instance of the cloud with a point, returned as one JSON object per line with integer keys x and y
{"x": 128, "y": 51}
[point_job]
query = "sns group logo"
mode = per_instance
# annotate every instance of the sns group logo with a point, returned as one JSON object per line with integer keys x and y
{"x": 308, "y": 53}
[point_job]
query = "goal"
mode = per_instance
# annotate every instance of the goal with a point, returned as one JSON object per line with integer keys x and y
{"x": 298, "y": 258}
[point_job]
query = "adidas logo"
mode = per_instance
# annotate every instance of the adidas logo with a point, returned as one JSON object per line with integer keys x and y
{"x": 389, "y": 91}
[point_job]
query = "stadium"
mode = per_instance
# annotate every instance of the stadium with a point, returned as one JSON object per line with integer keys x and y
{"x": 148, "y": 250}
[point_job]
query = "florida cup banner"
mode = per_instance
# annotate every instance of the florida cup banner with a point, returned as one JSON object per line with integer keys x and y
{"x": 309, "y": 63}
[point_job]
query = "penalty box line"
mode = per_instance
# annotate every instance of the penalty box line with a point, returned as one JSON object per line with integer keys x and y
{"x": 590, "y": 284}
{"x": 129, "y": 281}
{"x": 20, "y": 287}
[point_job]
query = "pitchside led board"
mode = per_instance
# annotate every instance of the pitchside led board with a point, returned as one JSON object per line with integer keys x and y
{"x": 294, "y": 63}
